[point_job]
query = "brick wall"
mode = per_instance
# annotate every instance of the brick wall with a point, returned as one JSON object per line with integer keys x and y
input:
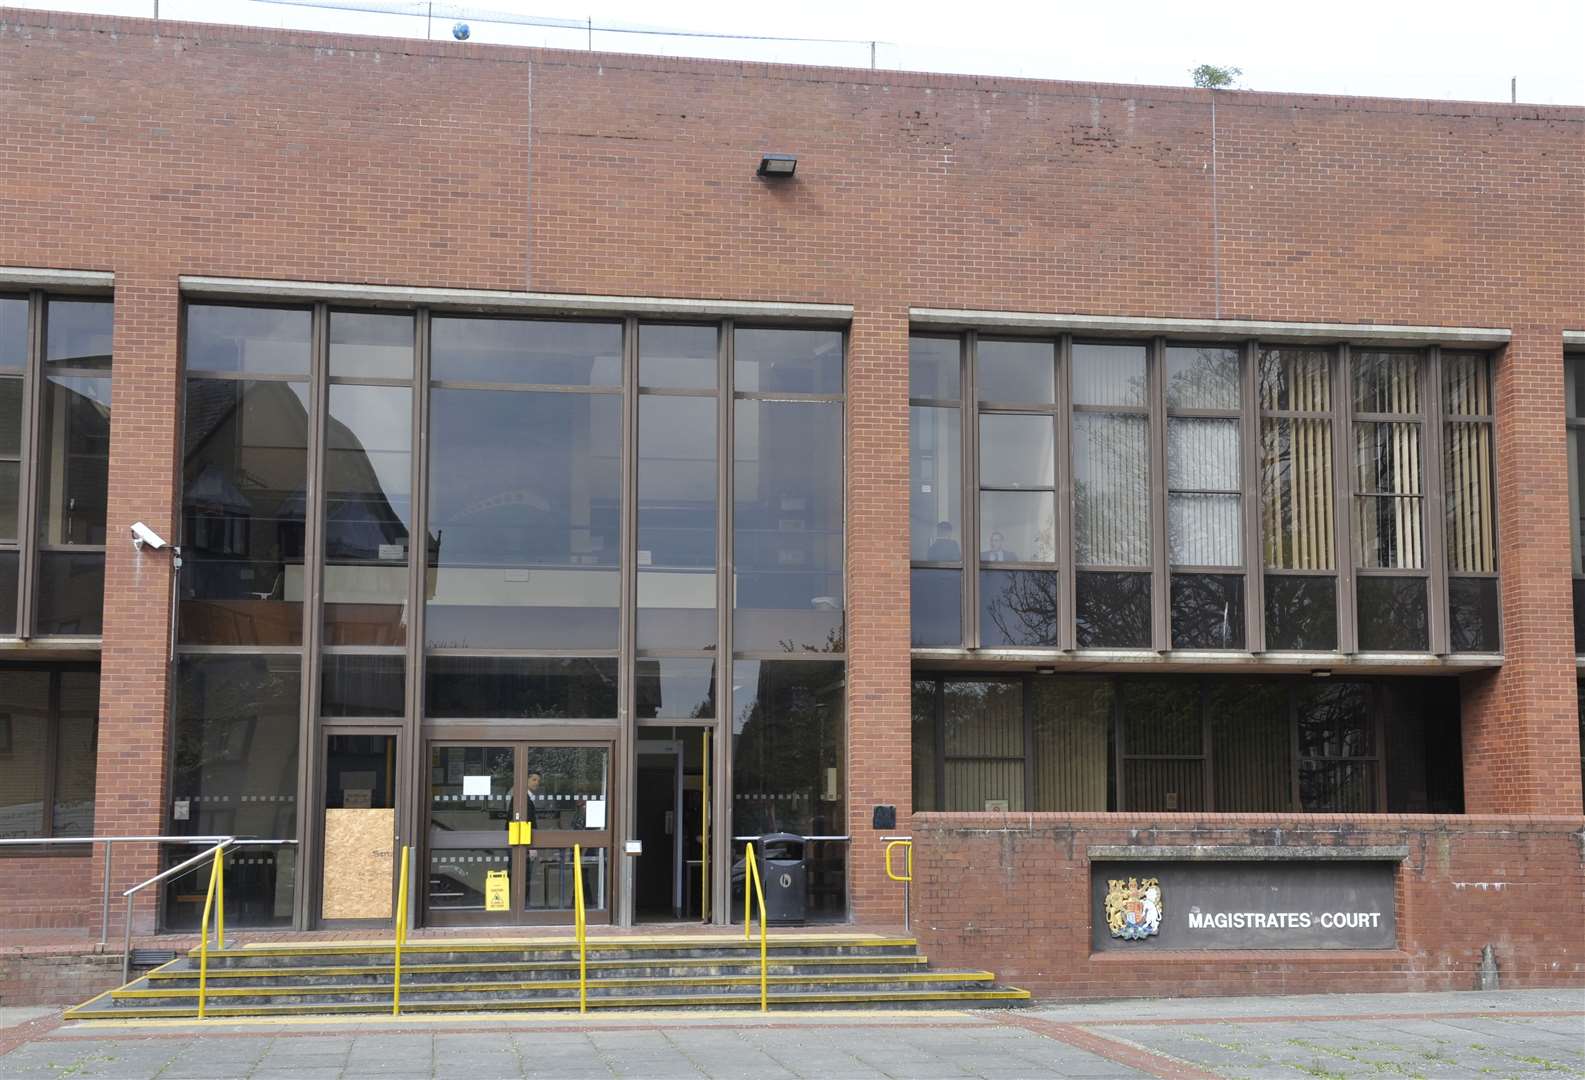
{"x": 60, "y": 976}
{"x": 1517, "y": 884}
{"x": 183, "y": 148}
{"x": 49, "y": 892}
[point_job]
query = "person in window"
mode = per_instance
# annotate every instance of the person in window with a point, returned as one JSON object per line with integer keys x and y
{"x": 996, "y": 552}
{"x": 944, "y": 548}
{"x": 533, "y": 797}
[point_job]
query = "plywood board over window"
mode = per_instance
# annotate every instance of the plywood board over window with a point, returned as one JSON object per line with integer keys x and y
{"x": 359, "y": 849}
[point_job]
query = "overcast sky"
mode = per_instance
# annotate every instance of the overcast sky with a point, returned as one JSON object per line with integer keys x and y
{"x": 1457, "y": 49}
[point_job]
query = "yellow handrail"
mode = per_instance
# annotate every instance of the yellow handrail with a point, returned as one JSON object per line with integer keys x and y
{"x": 751, "y": 876}
{"x": 582, "y": 927}
{"x": 400, "y": 938}
{"x": 216, "y": 877}
{"x": 909, "y": 874}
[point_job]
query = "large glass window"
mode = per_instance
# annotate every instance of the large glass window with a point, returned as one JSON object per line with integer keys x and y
{"x": 67, "y": 434}
{"x": 935, "y": 491}
{"x": 788, "y": 763}
{"x": 49, "y": 724}
{"x": 1574, "y": 405}
{"x": 787, "y": 492}
{"x": 1389, "y": 501}
{"x": 1467, "y": 478}
{"x": 1185, "y": 743}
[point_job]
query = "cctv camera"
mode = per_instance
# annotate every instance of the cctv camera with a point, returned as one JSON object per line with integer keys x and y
{"x": 142, "y": 534}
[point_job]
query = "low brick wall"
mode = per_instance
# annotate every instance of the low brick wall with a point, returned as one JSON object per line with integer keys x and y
{"x": 63, "y": 975}
{"x": 48, "y": 892}
{"x": 1011, "y": 893}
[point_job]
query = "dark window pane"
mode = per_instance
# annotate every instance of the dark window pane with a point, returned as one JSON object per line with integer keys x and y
{"x": 1162, "y": 717}
{"x": 1207, "y": 611}
{"x": 26, "y": 711}
{"x": 935, "y": 608}
{"x": 677, "y": 356}
{"x": 253, "y": 341}
{"x": 1473, "y": 618}
{"x": 484, "y": 687}
{"x": 1108, "y": 374}
{"x": 77, "y": 333}
{"x": 74, "y": 460}
{"x": 352, "y": 685}
{"x": 457, "y": 876}
{"x": 790, "y": 361}
{"x": 1111, "y": 489}
{"x": 245, "y": 495}
{"x": 788, "y": 526}
{"x": 525, "y": 519}
{"x": 542, "y": 351}
{"x": 1424, "y": 755}
{"x": 369, "y": 345}
{"x": 935, "y": 497}
{"x": 9, "y": 561}
{"x": 788, "y": 757}
{"x": 1392, "y": 614}
{"x": 1073, "y": 742}
{"x": 1162, "y": 784}
{"x": 1576, "y": 478}
{"x": 1251, "y": 744}
{"x": 924, "y": 744}
{"x": 1301, "y": 613}
{"x": 234, "y": 771}
{"x": 675, "y": 689}
{"x": 368, "y": 514}
{"x": 1203, "y": 377}
{"x": 677, "y": 485}
{"x": 1335, "y": 720}
{"x": 76, "y": 753}
{"x": 1579, "y": 614}
{"x": 1017, "y": 450}
{"x": 71, "y": 593}
{"x": 1574, "y": 384}
{"x": 10, "y": 456}
{"x": 932, "y": 367}
{"x": 360, "y": 772}
{"x": 1386, "y": 381}
{"x": 1023, "y": 371}
{"x": 1018, "y": 607}
{"x": 983, "y": 744}
{"x": 1018, "y": 526}
{"x": 13, "y": 332}
{"x": 1113, "y": 611}
{"x": 1337, "y": 787}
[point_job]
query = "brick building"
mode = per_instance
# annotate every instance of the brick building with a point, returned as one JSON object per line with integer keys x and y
{"x": 1259, "y": 410}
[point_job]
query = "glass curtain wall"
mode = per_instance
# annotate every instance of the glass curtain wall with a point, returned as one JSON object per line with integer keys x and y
{"x": 1172, "y": 463}
{"x": 55, "y": 359}
{"x": 301, "y": 478}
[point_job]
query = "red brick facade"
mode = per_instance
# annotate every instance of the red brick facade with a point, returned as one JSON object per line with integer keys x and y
{"x": 157, "y": 151}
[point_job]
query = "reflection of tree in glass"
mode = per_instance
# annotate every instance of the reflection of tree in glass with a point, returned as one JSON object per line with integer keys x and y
{"x": 1021, "y": 607}
{"x": 1334, "y": 726}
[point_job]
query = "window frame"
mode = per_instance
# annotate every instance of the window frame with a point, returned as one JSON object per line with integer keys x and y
{"x": 52, "y": 751}
{"x": 1574, "y": 429}
{"x": 1341, "y": 367}
{"x": 28, "y": 546}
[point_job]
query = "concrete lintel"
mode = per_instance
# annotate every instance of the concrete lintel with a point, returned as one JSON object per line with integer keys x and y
{"x": 1246, "y": 853}
{"x": 35, "y": 277}
{"x": 1132, "y": 325}
{"x": 503, "y": 300}
{"x": 1206, "y": 660}
{"x": 1574, "y": 339}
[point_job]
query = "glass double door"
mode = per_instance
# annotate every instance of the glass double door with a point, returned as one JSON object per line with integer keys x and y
{"x": 483, "y": 866}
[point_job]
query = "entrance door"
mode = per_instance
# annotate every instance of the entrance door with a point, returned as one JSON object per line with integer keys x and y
{"x": 358, "y": 830}
{"x": 477, "y": 791}
{"x": 672, "y": 793}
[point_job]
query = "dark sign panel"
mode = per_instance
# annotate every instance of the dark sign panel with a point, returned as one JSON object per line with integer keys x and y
{"x": 1243, "y": 905}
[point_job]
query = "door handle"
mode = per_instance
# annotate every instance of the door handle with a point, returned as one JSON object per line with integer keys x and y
{"x": 519, "y": 833}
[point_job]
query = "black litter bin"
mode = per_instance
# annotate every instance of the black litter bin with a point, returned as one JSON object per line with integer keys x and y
{"x": 785, "y": 876}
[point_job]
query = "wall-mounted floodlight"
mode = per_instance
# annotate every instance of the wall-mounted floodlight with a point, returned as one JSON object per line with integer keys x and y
{"x": 142, "y": 534}
{"x": 777, "y": 166}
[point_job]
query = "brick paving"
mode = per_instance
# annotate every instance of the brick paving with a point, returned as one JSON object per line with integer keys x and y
{"x": 1504, "y": 1034}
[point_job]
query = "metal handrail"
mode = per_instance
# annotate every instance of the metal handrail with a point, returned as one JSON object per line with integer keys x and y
{"x": 907, "y": 877}
{"x": 400, "y": 938}
{"x": 126, "y": 942}
{"x": 751, "y": 876}
{"x": 110, "y": 843}
{"x": 217, "y": 887}
{"x": 581, "y": 928}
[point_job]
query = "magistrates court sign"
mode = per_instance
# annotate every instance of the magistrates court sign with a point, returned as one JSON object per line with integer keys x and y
{"x": 1244, "y": 904}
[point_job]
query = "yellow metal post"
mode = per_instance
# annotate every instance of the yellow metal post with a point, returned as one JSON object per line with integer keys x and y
{"x": 752, "y": 875}
{"x": 220, "y": 897}
{"x": 400, "y": 938}
{"x": 203, "y": 940}
{"x": 581, "y": 926}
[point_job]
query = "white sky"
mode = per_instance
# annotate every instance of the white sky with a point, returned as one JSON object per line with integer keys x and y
{"x": 1457, "y": 49}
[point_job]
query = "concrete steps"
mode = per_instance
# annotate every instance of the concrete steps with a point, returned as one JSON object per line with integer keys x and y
{"x": 686, "y": 972}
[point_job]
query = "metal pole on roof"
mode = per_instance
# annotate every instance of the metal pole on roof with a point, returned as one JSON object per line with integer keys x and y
{"x": 1513, "y": 89}
{"x": 872, "y": 56}
{"x": 591, "y": 33}
{"x": 429, "y": 24}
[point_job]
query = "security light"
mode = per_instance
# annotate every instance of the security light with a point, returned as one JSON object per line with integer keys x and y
{"x": 777, "y": 166}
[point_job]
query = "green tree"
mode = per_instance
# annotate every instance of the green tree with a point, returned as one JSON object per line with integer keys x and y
{"x": 1212, "y": 77}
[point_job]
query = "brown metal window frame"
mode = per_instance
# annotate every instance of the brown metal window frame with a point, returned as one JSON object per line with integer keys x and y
{"x": 1574, "y": 428}
{"x": 27, "y": 545}
{"x": 1342, "y": 418}
{"x": 51, "y": 767}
